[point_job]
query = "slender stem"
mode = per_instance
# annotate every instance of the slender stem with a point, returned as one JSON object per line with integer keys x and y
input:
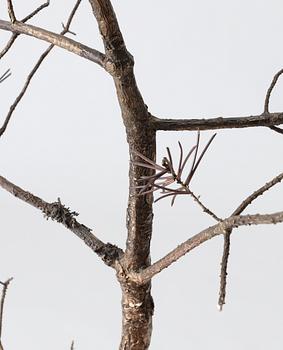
{"x": 267, "y": 120}
{"x": 3, "y": 296}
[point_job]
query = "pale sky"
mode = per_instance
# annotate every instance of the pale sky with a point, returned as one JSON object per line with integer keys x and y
{"x": 196, "y": 59}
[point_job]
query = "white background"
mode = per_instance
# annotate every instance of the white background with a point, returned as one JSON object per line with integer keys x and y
{"x": 193, "y": 59}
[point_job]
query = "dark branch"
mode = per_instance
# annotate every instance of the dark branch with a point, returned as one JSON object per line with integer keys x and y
{"x": 35, "y": 12}
{"x": 56, "y": 211}
{"x": 6, "y": 75}
{"x": 5, "y": 286}
{"x": 270, "y": 89}
{"x": 267, "y": 120}
{"x": 275, "y": 128}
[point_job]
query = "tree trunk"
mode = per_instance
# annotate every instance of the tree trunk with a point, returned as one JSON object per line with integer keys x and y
{"x": 137, "y": 303}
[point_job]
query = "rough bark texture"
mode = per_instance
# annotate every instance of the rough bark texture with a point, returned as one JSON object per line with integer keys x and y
{"x": 137, "y": 302}
{"x": 133, "y": 267}
{"x": 137, "y": 305}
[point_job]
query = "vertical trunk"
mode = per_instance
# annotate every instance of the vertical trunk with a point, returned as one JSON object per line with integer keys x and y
{"x": 137, "y": 302}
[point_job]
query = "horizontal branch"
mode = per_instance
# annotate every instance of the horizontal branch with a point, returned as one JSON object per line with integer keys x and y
{"x": 108, "y": 252}
{"x": 266, "y": 119}
{"x": 232, "y": 222}
{"x": 57, "y": 40}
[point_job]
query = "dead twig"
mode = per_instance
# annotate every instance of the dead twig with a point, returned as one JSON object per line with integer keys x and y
{"x": 227, "y": 236}
{"x": 5, "y": 286}
{"x": 11, "y": 11}
{"x": 5, "y": 75}
{"x": 56, "y": 211}
{"x": 35, "y": 69}
{"x": 25, "y": 19}
{"x": 270, "y": 89}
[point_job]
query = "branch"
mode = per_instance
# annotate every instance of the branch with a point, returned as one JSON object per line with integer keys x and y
{"x": 3, "y": 296}
{"x": 114, "y": 44}
{"x": 265, "y": 119}
{"x": 58, "y": 40}
{"x": 270, "y": 89}
{"x": 232, "y": 222}
{"x": 108, "y": 252}
{"x": 34, "y": 70}
{"x": 11, "y": 11}
{"x": 227, "y": 236}
{"x": 25, "y": 19}
{"x": 6, "y": 75}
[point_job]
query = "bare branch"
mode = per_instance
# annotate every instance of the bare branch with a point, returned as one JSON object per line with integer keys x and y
{"x": 36, "y": 11}
{"x": 25, "y": 19}
{"x": 227, "y": 236}
{"x": 232, "y": 222}
{"x": 6, "y": 75}
{"x": 8, "y": 45}
{"x": 34, "y": 70}
{"x": 58, "y": 212}
{"x": 58, "y": 40}
{"x": 3, "y": 296}
{"x": 275, "y": 128}
{"x": 11, "y": 11}
{"x": 265, "y": 119}
{"x": 204, "y": 208}
{"x": 270, "y": 89}
{"x": 223, "y": 271}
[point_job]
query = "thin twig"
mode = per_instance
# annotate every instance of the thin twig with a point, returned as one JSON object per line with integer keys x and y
{"x": 204, "y": 208}
{"x": 223, "y": 271}
{"x": 6, "y": 75}
{"x": 15, "y": 35}
{"x": 3, "y": 296}
{"x": 275, "y": 128}
{"x": 34, "y": 70}
{"x": 270, "y": 89}
{"x": 11, "y": 11}
{"x": 35, "y": 12}
{"x": 227, "y": 236}
{"x": 73, "y": 345}
{"x": 8, "y": 45}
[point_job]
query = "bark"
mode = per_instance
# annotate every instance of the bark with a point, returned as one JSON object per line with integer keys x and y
{"x": 137, "y": 304}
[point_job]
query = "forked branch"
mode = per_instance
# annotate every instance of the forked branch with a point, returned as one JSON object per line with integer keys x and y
{"x": 193, "y": 242}
{"x": 227, "y": 235}
{"x": 24, "y": 20}
{"x": 35, "y": 69}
